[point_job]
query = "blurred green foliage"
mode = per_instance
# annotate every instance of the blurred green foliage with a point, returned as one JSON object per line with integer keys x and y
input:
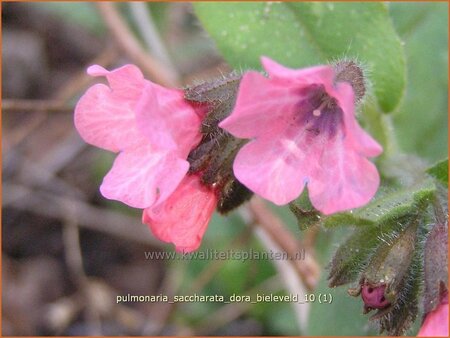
{"x": 421, "y": 122}
{"x": 440, "y": 171}
{"x": 81, "y": 13}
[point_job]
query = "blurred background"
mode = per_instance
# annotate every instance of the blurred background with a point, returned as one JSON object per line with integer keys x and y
{"x": 67, "y": 252}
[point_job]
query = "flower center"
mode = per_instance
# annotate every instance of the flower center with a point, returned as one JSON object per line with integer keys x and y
{"x": 318, "y": 112}
{"x": 327, "y": 103}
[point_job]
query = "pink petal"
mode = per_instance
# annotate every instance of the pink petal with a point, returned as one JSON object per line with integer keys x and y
{"x": 312, "y": 75}
{"x": 127, "y": 81}
{"x": 141, "y": 177}
{"x": 342, "y": 179}
{"x": 361, "y": 141}
{"x": 262, "y": 107}
{"x": 105, "y": 116}
{"x": 183, "y": 218}
{"x": 436, "y": 323}
{"x": 167, "y": 119}
{"x": 275, "y": 169}
{"x": 358, "y": 138}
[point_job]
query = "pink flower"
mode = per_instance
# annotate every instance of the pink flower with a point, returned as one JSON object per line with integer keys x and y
{"x": 436, "y": 322}
{"x": 152, "y": 128}
{"x": 303, "y": 131}
{"x": 183, "y": 218}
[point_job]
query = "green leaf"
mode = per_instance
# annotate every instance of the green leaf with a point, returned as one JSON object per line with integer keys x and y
{"x": 386, "y": 205}
{"x": 440, "y": 171}
{"x": 310, "y": 33}
{"x": 421, "y": 122}
{"x": 352, "y": 256}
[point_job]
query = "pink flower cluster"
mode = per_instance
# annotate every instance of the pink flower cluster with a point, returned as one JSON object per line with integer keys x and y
{"x": 302, "y": 130}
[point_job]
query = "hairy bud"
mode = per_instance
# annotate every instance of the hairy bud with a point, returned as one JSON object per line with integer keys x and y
{"x": 213, "y": 157}
{"x": 349, "y": 71}
{"x": 389, "y": 281}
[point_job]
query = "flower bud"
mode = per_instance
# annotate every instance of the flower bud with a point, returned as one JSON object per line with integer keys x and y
{"x": 373, "y": 297}
{"x": 213, "y": 158}
{"x": 391, "y": 262}
{"x": 386, "y": 283}
{"x": 349, "y": 71}
{"x": 436, "y": 257}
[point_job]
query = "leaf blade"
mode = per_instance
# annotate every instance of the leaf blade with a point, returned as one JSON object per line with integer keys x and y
{"x": 440, "y": 171}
